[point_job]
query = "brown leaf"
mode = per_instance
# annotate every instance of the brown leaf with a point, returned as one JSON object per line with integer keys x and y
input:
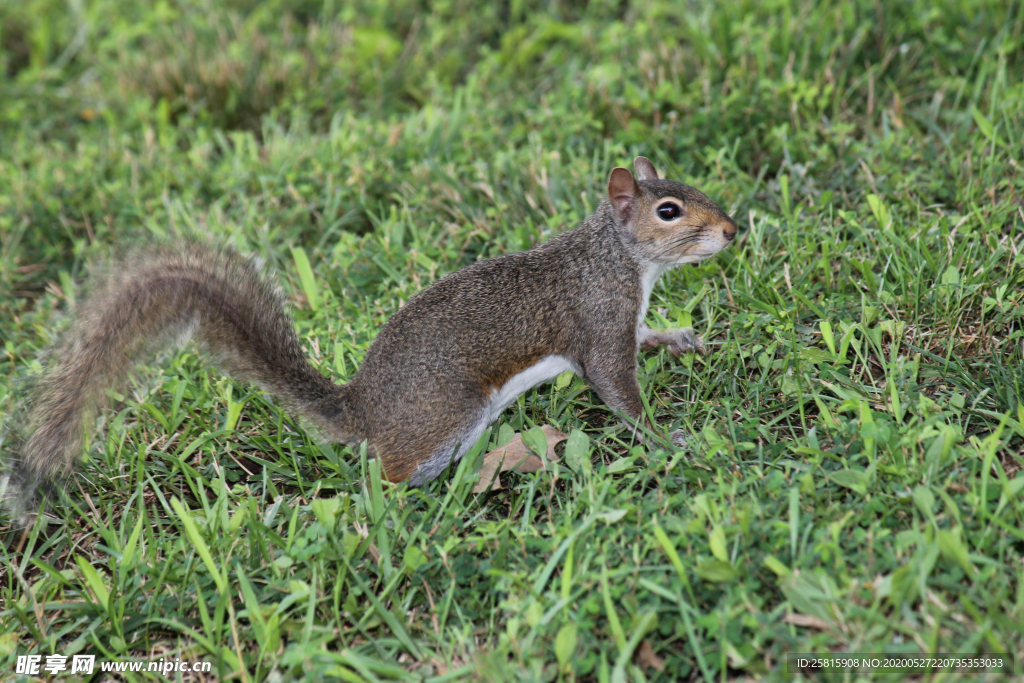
{"x": 515, "y": 455}
{"x": 645, "y": 657}
{"x": 807, "y": 621}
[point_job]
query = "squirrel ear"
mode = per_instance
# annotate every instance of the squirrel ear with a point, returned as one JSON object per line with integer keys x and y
{"x": 644, "y": 169}
{"x": 622, "y": 191}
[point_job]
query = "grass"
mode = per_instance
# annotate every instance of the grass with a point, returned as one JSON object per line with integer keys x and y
{"x": 857, "y": 485}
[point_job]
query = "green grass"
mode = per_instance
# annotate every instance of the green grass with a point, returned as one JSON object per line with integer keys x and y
{"x": 857, "y": 485}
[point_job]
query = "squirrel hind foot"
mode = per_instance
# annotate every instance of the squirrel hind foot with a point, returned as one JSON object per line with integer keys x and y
{"x": 680, "y": 438}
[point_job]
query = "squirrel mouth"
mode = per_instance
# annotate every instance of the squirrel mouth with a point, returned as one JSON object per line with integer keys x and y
{"x": 693, "y": 257}
{"x": 701, "y": 253}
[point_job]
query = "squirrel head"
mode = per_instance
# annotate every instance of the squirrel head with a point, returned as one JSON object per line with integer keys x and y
{"x": 666, "y": 222}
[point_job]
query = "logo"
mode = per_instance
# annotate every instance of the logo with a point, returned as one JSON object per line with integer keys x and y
{"x": 31, "y": 665}
{"x": 83, "y": 664}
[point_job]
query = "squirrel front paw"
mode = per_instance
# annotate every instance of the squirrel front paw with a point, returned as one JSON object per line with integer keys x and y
{"x": 678, "y": 341}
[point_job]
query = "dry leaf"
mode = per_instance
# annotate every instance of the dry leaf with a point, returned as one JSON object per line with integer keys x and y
{"x": 515, "y": 455}
{"x": 807, "y": 621}
{"x": 645, "y": 657}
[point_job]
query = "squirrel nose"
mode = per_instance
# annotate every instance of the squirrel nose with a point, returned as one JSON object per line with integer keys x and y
{"x": 729, "y": 231}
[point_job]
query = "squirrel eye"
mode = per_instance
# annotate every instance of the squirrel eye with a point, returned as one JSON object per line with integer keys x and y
{"x": 669, "y": 211}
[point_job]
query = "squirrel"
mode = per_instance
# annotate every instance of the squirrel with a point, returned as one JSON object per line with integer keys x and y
{"x": 441, "y": 369}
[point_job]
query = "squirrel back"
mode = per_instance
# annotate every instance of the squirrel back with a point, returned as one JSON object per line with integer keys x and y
{"x": 440, "y": 370}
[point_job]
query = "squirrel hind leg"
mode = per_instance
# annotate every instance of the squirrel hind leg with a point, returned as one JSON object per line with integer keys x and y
{"x": 420, "y": 470}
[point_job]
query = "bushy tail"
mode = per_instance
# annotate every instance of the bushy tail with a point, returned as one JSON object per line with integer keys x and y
{"x": 147, "y": 301}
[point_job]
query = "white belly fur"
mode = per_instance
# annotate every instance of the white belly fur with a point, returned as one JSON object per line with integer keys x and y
{"x": 648, "y": 278}
{"x": 545, "y": 369}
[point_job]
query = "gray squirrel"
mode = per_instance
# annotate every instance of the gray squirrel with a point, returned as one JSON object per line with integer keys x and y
{"x": 441, "y": 369}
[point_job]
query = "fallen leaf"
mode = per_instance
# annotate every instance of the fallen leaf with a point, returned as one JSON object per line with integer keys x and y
{"x": 645, "y": 657}
{"x": 807, "y": 621}
{"x": 516, "y": 455}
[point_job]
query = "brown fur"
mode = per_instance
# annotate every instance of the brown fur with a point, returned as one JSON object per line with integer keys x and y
{"x": 425, "y": 383}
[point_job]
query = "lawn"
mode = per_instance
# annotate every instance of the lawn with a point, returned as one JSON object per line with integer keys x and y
{"x": 855, "y": 481}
